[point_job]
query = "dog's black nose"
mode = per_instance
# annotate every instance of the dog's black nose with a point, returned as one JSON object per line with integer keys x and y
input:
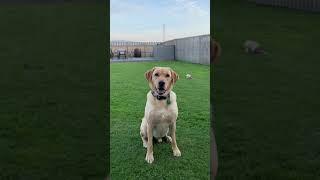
{"x": 161, "y": 84}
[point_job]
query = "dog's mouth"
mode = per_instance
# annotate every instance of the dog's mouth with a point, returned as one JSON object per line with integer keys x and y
{"x": 161, "y": 91}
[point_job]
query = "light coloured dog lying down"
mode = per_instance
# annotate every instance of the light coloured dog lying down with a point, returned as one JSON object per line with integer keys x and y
{"x": 161, "y": 110}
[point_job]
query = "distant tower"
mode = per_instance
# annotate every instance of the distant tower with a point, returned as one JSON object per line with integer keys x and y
{"x": 163, "y": 32}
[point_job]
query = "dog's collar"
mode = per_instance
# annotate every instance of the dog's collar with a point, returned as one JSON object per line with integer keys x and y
{"x": 159, "y": 97}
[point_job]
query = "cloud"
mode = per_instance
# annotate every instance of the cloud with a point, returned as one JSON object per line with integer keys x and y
{"x": 121, "y": 7}
{"x": 191, "y": 7}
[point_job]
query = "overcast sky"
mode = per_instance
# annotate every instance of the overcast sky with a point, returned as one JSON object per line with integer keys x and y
{"x": 142, "y": 20}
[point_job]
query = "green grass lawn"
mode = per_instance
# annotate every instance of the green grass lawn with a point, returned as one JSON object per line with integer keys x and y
{"x": 267, "y": 116}
{"x": 128, "y": 97}
{"x": 52, "y": 91}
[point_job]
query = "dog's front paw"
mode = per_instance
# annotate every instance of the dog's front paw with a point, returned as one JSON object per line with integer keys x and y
{"x": 149, "y": 158}
{"x": 176, "y": 152}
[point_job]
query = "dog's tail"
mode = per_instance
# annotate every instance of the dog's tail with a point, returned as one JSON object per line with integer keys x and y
{"x": 215, "y": 51}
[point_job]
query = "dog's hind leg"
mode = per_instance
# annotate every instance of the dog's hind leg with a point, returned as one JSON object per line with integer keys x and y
{"x": 144, "y": 140}
{"x": 168, "y": 139}
{"x": 143, "y": 133}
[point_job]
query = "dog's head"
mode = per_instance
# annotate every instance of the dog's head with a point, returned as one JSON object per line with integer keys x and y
{"x": 161, "y": 79}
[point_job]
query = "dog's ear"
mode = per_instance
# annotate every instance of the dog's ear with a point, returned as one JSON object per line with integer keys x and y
{"x": 175, "y": 76}
{"x": 148, "y": 74}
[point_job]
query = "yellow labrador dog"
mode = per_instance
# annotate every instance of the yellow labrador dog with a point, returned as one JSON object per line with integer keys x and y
{"x": 161, "y": 110}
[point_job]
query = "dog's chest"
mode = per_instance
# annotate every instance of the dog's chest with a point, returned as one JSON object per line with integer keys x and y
{"x": 162, "y": 118}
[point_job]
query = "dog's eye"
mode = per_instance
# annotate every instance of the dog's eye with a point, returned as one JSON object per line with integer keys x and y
{"x": 156, "y": 74}
{"x": 167, "y": 75}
